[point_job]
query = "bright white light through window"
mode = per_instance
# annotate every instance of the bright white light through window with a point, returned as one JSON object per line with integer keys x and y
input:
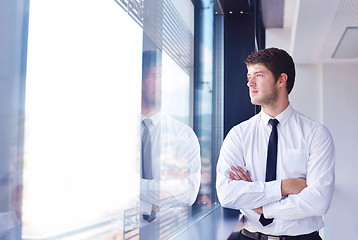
{"x": 82, "y": 114}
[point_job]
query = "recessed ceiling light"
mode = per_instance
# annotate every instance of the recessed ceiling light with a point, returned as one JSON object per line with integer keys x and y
{"x": 348, "y": 45}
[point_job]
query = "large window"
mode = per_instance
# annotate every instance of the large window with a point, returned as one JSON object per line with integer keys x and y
{"x": 82, "y": 116}
{"x": 117, "y": 134}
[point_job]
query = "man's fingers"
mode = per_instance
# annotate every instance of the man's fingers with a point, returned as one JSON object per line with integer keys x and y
{"x": 243, "y": 172}
{"x": 233, "y": 176}
{"x": 240, "y": 174}
{"x": 258, "y": 210}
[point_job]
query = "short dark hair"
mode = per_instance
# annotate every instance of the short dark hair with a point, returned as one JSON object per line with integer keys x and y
{"x": 277, "y": 61}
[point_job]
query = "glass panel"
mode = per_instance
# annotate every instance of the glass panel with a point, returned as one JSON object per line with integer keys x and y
{"x": 176, "y": 91}
{"x": 171, "y": 171}
{"x": 203, "y": 103}
{"x": 81, "y": 141}
{"x": 95, "y": 70}
{"x": 170, "y": 155}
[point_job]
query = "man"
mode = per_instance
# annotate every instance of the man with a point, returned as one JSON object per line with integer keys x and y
{"x": 279, "y": 172}
{"x": 170, "y": 155}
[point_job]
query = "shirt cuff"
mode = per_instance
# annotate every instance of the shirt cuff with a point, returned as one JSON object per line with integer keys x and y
{"x": 145, "y": 207}
{"x": 144, "y": 185}
{"x": 273, "y": 191}
{"x": 269, "y": 210}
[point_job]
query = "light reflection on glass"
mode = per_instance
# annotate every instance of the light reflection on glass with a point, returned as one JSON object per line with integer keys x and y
{"x": 175, "y": 90}
{"x": 83, "y": 173}
{"x": 174, "y": 164}
{"x": 80, "y": 141}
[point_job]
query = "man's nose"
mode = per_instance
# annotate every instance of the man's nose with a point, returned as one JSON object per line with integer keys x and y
{"x": 251, "y": 82}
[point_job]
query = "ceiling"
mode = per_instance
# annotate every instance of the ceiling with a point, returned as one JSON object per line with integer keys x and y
{"x": 313, "y": 30}
{"x": 232, "y": 6}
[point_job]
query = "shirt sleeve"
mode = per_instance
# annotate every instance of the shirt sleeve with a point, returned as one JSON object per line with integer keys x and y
{"x": 179, "y": 182}
{"x": 315, "y": 199}
{"x": 182, "y": 184}
{"x": 241, "y": 194}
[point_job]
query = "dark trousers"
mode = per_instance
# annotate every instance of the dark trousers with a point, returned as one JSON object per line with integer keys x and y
{"x": 239, "y": 236}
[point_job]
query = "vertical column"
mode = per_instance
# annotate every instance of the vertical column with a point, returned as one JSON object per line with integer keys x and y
{"x": 218, "y": 94}
{"x": 239, "y": 43}
{"x": 203, "y": 95}
{"x": 13, "y": 47}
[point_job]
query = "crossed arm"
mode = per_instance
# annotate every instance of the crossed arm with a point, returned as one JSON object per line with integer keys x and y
{"x": 308, "y": 197}
{"x": 288, "y": 186}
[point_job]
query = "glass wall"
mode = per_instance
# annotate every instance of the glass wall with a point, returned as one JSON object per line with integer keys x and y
{"x": 118, "y": 109}
{"x": 82, "y": 116}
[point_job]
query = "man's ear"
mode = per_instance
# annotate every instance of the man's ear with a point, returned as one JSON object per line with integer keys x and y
{"x": 282, "y": 80}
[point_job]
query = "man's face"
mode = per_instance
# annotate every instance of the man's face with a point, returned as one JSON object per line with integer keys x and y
{"x": 151, "y": 89}
{"x": 262, "y": 85}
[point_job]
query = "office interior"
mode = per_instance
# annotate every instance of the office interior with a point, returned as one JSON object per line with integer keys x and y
{"x": 72, "y": 87}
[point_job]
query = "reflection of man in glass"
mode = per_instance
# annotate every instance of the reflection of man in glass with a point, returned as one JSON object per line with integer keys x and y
{"x": 170, "y": 174}
{"x": 10, "y": 204}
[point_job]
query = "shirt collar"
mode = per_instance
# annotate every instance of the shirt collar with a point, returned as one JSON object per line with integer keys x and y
{"x": 154, "y": 118}
{"x": 282, "y": 117}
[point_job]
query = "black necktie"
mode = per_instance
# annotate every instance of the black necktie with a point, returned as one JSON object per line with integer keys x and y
{"x": 271, "y": 163}
{"x": 147, "y": 172}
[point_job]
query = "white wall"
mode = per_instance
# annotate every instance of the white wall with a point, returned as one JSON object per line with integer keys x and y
{"x": 340, "y": 115}
{"x": 306, "y": 95}
{"x": 329, "y": 93}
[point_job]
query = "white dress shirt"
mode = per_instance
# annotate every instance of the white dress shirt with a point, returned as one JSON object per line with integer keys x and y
{"x": 305, "y": 150}
{"x": 176, "y": 164}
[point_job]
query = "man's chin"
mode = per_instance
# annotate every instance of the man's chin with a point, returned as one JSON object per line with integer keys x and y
{"x": 254, "y": 101}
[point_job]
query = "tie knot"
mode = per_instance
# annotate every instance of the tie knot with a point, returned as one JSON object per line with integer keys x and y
{"x": 273, "y": 122}
{"x": 147, "y": 122}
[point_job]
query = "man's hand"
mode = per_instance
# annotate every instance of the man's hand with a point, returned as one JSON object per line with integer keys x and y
{"x": 237, "y": 174}
{"x": 258, "y": 210}
{"x": 288, "y": 186}
{"x": 292, "y": 186}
